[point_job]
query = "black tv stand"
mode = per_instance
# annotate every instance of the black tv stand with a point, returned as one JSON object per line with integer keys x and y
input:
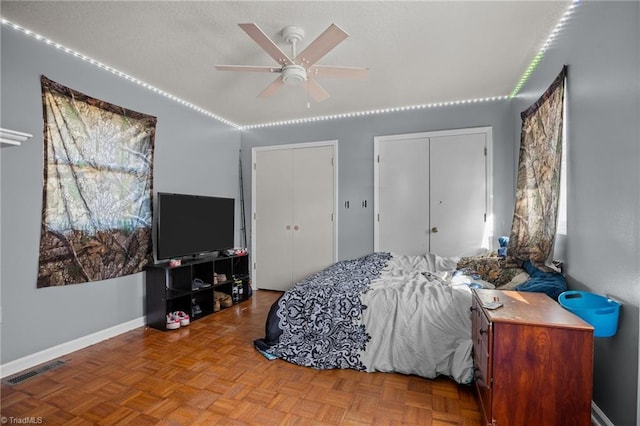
{"x": 170, "y": 289}
{"x": 199, "y": 256}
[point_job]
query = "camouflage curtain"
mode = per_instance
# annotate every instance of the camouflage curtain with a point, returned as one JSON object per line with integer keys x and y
{"x": 97, "y": 194}
{"x": 538, "y": 185}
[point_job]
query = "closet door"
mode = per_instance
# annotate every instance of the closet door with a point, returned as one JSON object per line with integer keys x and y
{"x": 294, "y": 225}
{"x": 403, "y": 196}
{"x": 458, "y": 194}
{"x": 431, "y": 192}
{"x": 273, "y": 219}
{"x": 313, "y": 207}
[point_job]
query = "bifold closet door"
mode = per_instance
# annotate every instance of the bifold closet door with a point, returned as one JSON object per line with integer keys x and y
{"x": 458, "y": 186}
{"x": 273, "y": 219}
{"x": 403, "y": 196}
{"x": 294, "y": 214}
{"x": 431, "y": 193}
{"x": 313, "y": 208}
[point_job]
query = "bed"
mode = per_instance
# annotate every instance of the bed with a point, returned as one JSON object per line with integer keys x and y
{"x": 382, "y": 312}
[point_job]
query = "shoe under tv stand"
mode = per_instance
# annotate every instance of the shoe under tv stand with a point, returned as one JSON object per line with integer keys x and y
{"x": 170, "y": 289}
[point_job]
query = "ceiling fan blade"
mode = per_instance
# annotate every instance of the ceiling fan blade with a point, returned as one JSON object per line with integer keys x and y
{"x": 266, "y": 43}
{"x": 328, "y": 71}
{"x": 272, "y": 88}
{"x": 246, "y": 68}
{"x": 316, "y": 91}
{"x": 319, "y": 47}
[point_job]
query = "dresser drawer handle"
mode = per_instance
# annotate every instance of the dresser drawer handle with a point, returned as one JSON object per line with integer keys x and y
{"x": 483, "y": 331}
{"x": 473, "y": 309}
{"x": 477, "y": 374}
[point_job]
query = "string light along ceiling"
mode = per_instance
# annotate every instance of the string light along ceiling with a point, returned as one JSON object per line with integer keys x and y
{"x": 536, "y": 60}
{"x": 532, "y": 66}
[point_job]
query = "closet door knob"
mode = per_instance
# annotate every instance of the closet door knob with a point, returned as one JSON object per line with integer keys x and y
{"x": 288, "y": 227}
{"x": 434, "y": 229}
{"x": 296, "y": 227}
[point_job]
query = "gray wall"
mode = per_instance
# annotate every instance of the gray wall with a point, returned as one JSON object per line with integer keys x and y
{"x": 355, "y": 159}
{"x": 198, "y": 155}
{"x": 194, "y": 154}
{"x": 601, "y": 46}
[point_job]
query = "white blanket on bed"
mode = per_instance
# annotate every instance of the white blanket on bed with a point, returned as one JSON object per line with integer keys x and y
{"x": 418, "y": 320}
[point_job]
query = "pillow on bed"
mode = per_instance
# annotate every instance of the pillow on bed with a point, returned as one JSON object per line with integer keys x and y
{"x": 511, "y": 277}
{"x": 439, "y": 266}
{"x": 491, "y": 267}
{"x": 520, "y": 278}
{"x": 470, "y": 278}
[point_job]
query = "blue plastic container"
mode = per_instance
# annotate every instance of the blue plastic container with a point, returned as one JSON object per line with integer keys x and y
{"x": 601, "y": 312}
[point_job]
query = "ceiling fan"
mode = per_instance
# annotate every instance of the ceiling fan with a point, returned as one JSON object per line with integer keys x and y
{"x": 301, "y": 68}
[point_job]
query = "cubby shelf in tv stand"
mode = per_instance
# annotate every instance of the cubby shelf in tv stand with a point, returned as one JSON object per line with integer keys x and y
{"x": 169, "y": 289}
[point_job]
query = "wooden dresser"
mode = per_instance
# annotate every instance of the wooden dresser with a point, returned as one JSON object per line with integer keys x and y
{"x": 533, "y": 360}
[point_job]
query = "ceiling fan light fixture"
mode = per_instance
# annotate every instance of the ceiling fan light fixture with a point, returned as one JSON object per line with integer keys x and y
{"x": 293, "y": 75}
{"x": 294, "y": 70}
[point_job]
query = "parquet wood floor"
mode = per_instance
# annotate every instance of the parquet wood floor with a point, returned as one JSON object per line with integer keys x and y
{"x": 209, "y": 373}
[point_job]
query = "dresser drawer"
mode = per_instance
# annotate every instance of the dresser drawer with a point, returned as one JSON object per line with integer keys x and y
{"x": 482, "y": 334}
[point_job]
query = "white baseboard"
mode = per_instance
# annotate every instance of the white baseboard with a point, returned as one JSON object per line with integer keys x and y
{"x": 598, "y": 418}
{"x": 54, "y": 352}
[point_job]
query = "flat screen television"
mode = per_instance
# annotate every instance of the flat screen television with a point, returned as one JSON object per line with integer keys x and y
{"x": 193, "y": 225}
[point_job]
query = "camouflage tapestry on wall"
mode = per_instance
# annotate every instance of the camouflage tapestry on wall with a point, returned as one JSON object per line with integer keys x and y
{"x": 538, "y": 184}
{"x": 97, "y": 194}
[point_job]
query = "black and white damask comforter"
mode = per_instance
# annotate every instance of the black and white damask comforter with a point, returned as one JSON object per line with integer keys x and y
{"x": 381, "y": 312}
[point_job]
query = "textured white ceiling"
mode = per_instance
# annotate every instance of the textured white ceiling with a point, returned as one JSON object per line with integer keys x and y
{"x": 418, "y": 52}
